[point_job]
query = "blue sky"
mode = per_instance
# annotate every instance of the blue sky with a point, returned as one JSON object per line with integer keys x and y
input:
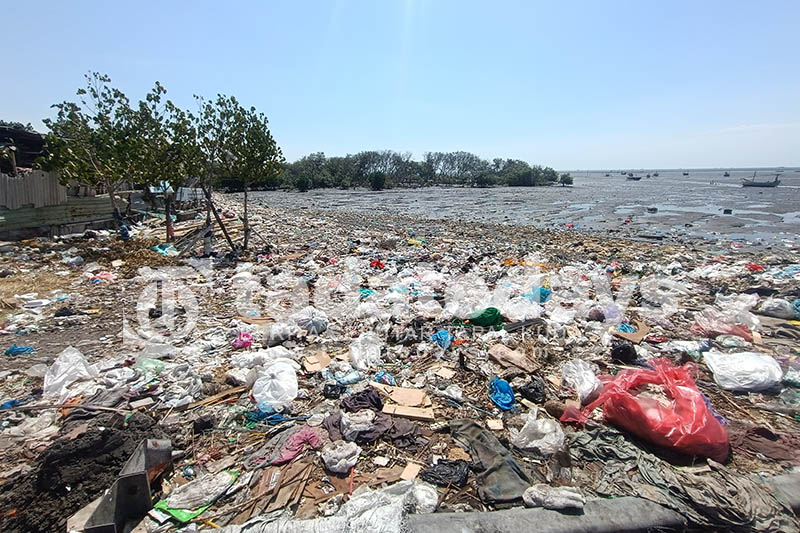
{"x": 567, "y": 84}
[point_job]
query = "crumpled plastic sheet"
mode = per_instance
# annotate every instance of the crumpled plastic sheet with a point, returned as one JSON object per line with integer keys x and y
{"x": 182, "y": 385}
{"x": 447, "y": 473}
{"x": 744, "y": 371}
{"x": 542, "y": 495}
{"x": 365, "y": 351}
{"x": 201, "y": 491}
{"x": 69, "y": 367}
{"x": 579, "y": 376}
{"x": 339, "y": 456}
{"x": 544, "y": 436}
{"x": 717, "y": 499}
{"x": 353, "y": 423}
{"x": 500, "y": 477}
{"x": 379, "y": 511}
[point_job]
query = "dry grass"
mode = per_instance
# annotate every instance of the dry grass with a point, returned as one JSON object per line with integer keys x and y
{"x": 41, "y": 281}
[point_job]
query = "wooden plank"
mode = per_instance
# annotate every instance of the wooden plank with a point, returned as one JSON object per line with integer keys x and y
{"x": 217, "y": 397}
{"x": 404, "y": 396}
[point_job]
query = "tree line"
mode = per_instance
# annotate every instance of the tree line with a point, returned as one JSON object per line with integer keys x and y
{"x": 383, "y": 169}
{"x": 104, "y": 139}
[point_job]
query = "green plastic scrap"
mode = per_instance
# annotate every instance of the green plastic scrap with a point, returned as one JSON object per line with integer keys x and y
{"x": 489, "y": 317}
{"x": 184, "y": 515}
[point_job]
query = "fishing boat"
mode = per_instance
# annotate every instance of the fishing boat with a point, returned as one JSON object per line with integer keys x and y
{"x": 655, "y": 174}
{"x": 685, "y": 173}
{"x": 633, "y": 178}
{"x": 647, "y": 176}
{"x": 726, "y": 175}
{"x": 753, "y": 183}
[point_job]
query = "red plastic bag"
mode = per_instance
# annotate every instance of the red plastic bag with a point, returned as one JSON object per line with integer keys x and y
{"x": 685, "y": 425}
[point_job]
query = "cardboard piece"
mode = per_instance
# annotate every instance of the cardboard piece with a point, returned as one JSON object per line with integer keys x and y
{"x": 508, "y": 357}
{"x": 256, "y": 320}
{"x": 411, "y": 471}
{"x": 445, "y": 373}
{"x": 495, "y": 424}
{"x": 636, "y": 337}
{"x": 414, "y": 413}
{"x": 316, "y": 362}
{"x": 404, "y": 396}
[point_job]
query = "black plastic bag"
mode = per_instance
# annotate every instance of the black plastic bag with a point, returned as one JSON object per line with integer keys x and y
{"x": 446, "y": 472}
{"x": 534, "y": 390}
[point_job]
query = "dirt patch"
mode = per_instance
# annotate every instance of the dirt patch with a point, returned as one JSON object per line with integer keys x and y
{"x": 71, "y": 473}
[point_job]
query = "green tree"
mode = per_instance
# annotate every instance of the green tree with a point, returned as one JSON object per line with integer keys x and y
{"x": 566, "y": 179}
{"x": 237, "y": 143}
{"x": 377, "y": 181}
{"x": 93, "y": 141}
{"x": 17, "y": 125}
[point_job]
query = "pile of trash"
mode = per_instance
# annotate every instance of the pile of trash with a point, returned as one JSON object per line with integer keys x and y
{"x": 350, "y": 371}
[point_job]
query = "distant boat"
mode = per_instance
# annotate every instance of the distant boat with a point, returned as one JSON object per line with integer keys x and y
{"x": 655, "y": 174}
{"x": 753, "y": 183}
{"x": 726, "y": 175}
{"x": 607, "y": 174}
{"x": 685, "y": 173}
{"x": 633, "y": 178}
{"x": 647, "y": 176}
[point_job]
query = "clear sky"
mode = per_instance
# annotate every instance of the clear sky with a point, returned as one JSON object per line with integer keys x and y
{"x": 568, "y": 84}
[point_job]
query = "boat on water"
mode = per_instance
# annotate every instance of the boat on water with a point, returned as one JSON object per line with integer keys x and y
{"x": 685, "y": 173}
{"x": 655, "y": 174}
{"x": 607, "y": 174}
{"x": 633, "y": 178}
{"x": 751, "y": 182}
{"x": 647, "y": 176}
{"x": 726, "y": 175}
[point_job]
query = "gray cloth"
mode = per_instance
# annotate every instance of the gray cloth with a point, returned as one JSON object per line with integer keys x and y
{"x": 717, "y": 499}
{"x": 500, "y": 476}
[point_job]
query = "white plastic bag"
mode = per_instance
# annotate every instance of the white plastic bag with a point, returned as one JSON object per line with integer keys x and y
{"x": 201, "y": 491}
{"x": 354, "y": 423}
{"x": 778, "y": 308}
{"x": 744, "y": 371}
{"x": 544, "y": 436}
{"x": 276, "y": 387}
{"x": 312, "y": 320}
{"x": 365, "y": 351}
{"x": 579, "y": 376}
{"x": 542, "y": 495}
{"x": 280, "y": 332}
{"x": 339, "y": 456}
{"x": 70, "y": 366}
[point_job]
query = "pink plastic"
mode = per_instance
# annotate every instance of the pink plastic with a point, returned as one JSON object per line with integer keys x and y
{"x": 686, "y": 425}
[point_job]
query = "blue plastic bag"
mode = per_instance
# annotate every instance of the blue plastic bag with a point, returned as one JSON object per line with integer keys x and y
{"x": 501, "y": 394}
{"x": 443, "y": 338}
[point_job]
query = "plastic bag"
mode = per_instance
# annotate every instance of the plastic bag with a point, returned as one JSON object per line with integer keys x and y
{"x": 365, "y": 351}
{"x": 242, "y": 340}
{"x": 579, "y": 376}
{"x": 778, "y": 308}
{"x": 542, "y": 495}
{"x": 354, "y": 423}
{"x": 280, "y": 332}
{"x": 70, "y": 366}
{"x": 312, "y": 320}
{"x": 501, "y": 394}
{"x": 686, "y": 425}
{"x": 276, "y": 387}
{"x": 544, "y": 436}
{"x": 201, "y": 491}
{"x": 339, "y": 456}
{"x": 447, "y": 473}
{"x": 744, "y": 371}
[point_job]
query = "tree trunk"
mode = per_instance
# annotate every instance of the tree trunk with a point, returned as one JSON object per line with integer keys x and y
{"x": 168, "y": 218}
{"x": 114, "y": 208}
{"x": 246, "y": 221}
